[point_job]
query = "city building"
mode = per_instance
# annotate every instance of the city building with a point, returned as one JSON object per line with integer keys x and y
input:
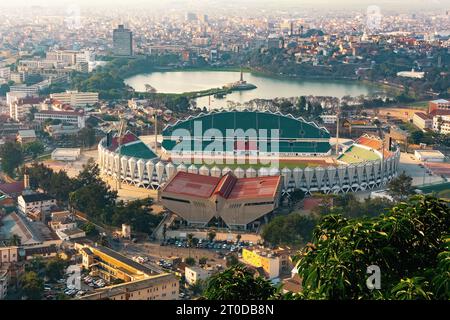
{"x": 5, "y": 74}
{"x": 159, "y": 287}
{"x": 438, "y": 104}
{"x": 74, "y": 118}
{"x": 236, "y": 203}
{"x": 329, "y": 118}
{"x": 441, "y": 123}
{"x": 194, "y": 274}
{"x": 68, "y": 57}
{"x": 26, "y": 136}
{"x": 19, "y": 108}
{"x": 70, "y": 233}
{"x": 35, "y": 201}
{"x": 411, "y": 74}
{"x": 8, "y": 254}
{"x": 422, "y": 121}
{"x": 429, "y": 155}
{"x": 122, "y": 42}
{"x": 66, "y": 154}
{"x": 140, "y": 282}
{"x": 274, "y": 262}
{"x": 75, "y": 98}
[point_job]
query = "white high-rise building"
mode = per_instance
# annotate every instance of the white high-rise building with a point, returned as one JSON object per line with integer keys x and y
{"x": 75, "y": 98}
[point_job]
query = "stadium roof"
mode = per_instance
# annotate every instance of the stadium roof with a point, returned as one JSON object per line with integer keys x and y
{"x": 295, "y": 134}
{"x": 228, "y": 186}
{"x": 289, "y": 127}
{"x": 132, "y": 146}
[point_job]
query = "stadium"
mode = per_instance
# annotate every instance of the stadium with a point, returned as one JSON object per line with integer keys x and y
{"x": 302, "y": 151}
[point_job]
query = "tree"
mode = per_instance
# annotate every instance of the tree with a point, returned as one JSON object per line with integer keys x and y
{"x": 32, "y": 286}
{"x": 54, "y": 268}
{"x": 301, "y": 105}
{"x": 202, "y": 261}
{"x": 87, "y": 137}
{"x": 136, "y": 213}
{"x": 416, "y": 137}
{"x": 293, "y": 229}
{"x": 15, "y": 240}
{"x": 92, "y": 195}
{"x": 197, "y": 288}
{"x": 164, "y": 231}
{"x": 238, "y": 283}
{"x": 408, "y": 244}
{"x": 90, "y": 229}
{"x": 297, "y": 195}
{"x": 190, "y": 261}
{"x": 211, "y": 235}
{"x": 400, "y": 188}
{"x": 12, "y": 157}
{"x": 232, "y": 260}
{"x": 34, "y": 148}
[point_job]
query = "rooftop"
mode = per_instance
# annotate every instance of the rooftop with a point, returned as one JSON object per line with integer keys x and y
{"x": 190, "y": 184}
{"x": 228, "y": 186}
{"x": 27, "y": 133}
{"x": 440, "y": 101}
{"x": 35, "y": 197}
{"x": 122, "y": 288}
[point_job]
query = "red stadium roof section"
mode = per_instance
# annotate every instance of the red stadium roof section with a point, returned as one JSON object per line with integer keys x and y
{"x": 190, "y": 184}
{"x": 259, "y": 187}
{"x": 374, "y": 143}
{"x": 228, "y": 186}
{"x": 127, "y": 138}
{"x": 225, "y": 185}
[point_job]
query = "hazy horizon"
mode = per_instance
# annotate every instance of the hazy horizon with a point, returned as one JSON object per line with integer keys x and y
{"x": 398, "y": 5}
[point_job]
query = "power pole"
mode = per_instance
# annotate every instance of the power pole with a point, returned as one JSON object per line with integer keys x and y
{"x": 337, "y": 128}
{"x": 156, "y": 133}
{"x": 122, "y": 127}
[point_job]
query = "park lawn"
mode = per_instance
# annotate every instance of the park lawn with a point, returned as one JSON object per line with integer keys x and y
{"x": 419, "y": 104}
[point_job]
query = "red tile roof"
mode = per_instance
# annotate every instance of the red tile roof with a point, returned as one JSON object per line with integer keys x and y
{"x": 190, "y": 184}
{"x": 258, "y": 187}
{"x": 440, "y": 112}
{"x": 12, "y": 188}
{"x": 228, "y": 187}
{"x": 127, "y": 138}
{"x": 423, "y": 116}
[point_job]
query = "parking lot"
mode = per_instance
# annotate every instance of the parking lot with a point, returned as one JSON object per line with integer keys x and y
{"x": 63, "y": 288}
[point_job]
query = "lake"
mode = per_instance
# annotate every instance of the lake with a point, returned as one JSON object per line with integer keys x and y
{"x": 267, "y": 87}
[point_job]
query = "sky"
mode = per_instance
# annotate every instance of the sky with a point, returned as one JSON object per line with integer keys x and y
{"x": 330, "y": 4}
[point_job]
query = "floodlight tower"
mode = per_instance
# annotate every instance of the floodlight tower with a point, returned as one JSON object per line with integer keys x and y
{"x": 120, "y": 134}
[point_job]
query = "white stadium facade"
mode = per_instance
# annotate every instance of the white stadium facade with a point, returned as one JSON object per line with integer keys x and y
{"x": 364, "y": 165}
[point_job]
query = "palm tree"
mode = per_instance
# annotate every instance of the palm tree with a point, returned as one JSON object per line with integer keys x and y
{"x": 15, "y": 240}
{"x": 211, "y": 235}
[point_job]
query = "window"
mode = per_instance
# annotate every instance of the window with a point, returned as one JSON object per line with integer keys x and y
{"x": 177, "y": 200}
{"x": 258, "y": 203}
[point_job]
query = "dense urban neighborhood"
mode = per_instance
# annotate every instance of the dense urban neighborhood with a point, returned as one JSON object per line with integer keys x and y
{"x": 227, "y": 152}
